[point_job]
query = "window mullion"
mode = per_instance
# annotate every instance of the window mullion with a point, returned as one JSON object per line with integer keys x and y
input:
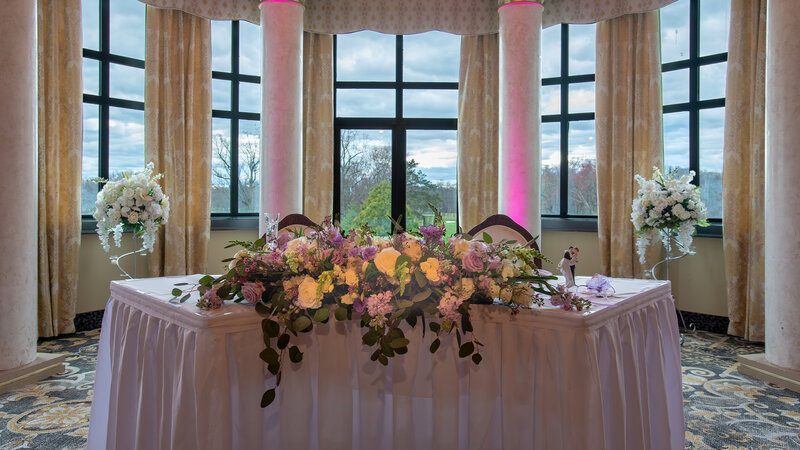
{"x": 399, "y": 142}
{"x": 234, "y": 178}
{"x": 694, "y": 88}
{"x": 564, "y": 131}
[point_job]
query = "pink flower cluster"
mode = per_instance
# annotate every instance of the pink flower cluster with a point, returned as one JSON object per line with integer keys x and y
{"x": 448, "y": 306}
{"x": 378, "y": 306}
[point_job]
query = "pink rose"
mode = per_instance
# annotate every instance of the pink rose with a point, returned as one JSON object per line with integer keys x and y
{"x": 472, "y": 261}
{"x": 252, "y": 291}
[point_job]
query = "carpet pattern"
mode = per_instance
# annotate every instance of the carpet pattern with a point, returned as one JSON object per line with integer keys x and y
{"x": 724, "y": 409}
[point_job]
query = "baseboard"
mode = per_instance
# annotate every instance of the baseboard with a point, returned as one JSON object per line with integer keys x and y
{"x": 88, "y": 320}
{"x": 704, "y": 322}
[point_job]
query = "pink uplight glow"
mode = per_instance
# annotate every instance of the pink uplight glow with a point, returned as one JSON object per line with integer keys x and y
{"x": 520, "y": 3}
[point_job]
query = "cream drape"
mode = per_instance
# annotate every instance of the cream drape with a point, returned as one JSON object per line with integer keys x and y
{"x": 628, "y": 127}
{"x": 743, "y": 169}
{"x": 178, "y": 135}
{"x": 317, "y": 125}
{"x": 464, "y": 17}
{"x": 478, "y": 138}
{"x": 60, "y": 150}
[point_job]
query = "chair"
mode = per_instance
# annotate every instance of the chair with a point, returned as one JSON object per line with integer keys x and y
{"x": 500, "y": 226}
{"x": 296, "y": 222}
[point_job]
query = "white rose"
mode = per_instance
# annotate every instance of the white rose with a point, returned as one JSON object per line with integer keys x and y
{"x": 307, "y": 294}
{"x": 133, "y": 218}
{"x": 460, "y": 246}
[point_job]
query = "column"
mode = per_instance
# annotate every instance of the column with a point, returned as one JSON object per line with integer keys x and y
{"x": 782, "y": 216}
{"x": 18, "y": 184}
{"x": 281, "y": 108}
{"x": 519, "y": 159}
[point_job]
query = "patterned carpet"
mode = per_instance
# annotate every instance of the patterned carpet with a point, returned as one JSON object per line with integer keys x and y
{"x": 724, "y": 409}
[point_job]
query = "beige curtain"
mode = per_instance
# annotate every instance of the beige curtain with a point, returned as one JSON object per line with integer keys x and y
{"x": 478, "y": 103}
{"x": 178, "y": 135}
{"x": 60, "y": 152}
{"x": 743, "y": 169}
{"x": 317, "y": 125}
{"x": 628, "y": 126}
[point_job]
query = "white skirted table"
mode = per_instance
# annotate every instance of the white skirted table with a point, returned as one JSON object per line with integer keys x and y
{"x": 172, "y": 376}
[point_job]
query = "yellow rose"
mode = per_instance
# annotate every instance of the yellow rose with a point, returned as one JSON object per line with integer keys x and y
{"x": 351, "y": 277}
{"x": 460, "y": 246}
{"x": 494, "y": 290}
{"x": 347, "y": 299}
{"x": 431, "y": 269}
{"x": 508, "y": 270}
{"x": 412, "y": 249}
{"x": 386, "y": 260}
{"x": 307, "y": 294}
{"x": 295, "y": 244}
{"x": 467, "y": 288}
{"x": 506, "y": 293}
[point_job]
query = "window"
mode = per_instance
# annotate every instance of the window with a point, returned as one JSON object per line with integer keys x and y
{"x": 569, "y": 157}
{"x": 113, "y": 92}
{"x": 694, "y": 45}
{"x": 396, "y": 104}
{"x": 236, "y": 118}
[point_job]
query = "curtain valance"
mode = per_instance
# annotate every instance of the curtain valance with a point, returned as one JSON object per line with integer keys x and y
{"x": 464, "y": 17}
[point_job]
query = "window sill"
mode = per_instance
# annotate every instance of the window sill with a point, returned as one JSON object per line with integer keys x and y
{"x": 585, "y": 224}
{"x": 218, "y": 223}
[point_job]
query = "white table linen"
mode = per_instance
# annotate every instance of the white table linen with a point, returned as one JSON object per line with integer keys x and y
{"x": 173, "y": 376}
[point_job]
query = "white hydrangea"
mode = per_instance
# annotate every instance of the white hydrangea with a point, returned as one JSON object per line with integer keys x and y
{"x": 668, "y": 206}
{"x": 136, "y": 203}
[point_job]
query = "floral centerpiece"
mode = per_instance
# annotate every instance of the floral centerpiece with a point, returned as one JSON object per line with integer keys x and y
{"x": 133, "y": 203}
{"x": 411, "y": 277}
{"x": 669, "y": 206}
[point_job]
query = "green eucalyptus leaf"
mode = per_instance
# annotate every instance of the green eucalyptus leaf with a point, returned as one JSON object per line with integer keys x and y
{"x": 387, "y": 350}
{"x": 340, "y": 313}
{"x": 185, "y": 297}
{"x": 181, "y": 284}
{"x": 268, "y": 398}
{"x": 421, "y": 296}
{"x": 270, "y": 327}
{"x": 322, "y": 314}
{"x": 412, "y": 320}
{"x": 274, "y": 368}
{"x": 206, "y": 280}
{"x": 435, "y": 327}
{"x": 283, "y": 341}
{"x": 486, "y": 238}
{"x": 383, "y": 360}
{"x": 261, "y": 309}
{"x": 420, "y": 278}
{"x": 435, "y": 345}
{"x": 295, "y": 355}
{"x": 404, "y": 303}
{"x": 374, "y": 355}
{"x": 176, "y": 292}
{"x": 269, "y": 355}
{"x": 476, "y": 358}
{"x": 396, "y": 333}
{"x": 458, "y": 337}
{"x": 399, "y": 343}
{"x": 401, "y": 350}
{"x": 466, "y": 349}
{"x": 301, "y": 323}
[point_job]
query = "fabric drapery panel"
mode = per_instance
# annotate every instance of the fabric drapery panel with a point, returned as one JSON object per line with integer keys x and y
{"x": 317, "y": 125}
{"x": 628, "y": 127}
{"x": 478, "y": 138}
{"x": 743, "y": 169}
{"x": 178, "y": 135}
{"x": 60, "y": 150}
{"x": 465, "y": 17}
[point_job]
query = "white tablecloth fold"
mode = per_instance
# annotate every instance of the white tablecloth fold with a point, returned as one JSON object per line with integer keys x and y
{"x": 172, "y": 376}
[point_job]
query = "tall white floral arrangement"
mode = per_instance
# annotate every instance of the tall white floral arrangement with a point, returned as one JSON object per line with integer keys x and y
{"x": 669, "y": 206}
{"x": 133, "y": 203}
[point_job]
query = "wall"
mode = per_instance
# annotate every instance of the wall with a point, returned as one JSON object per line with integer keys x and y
{"x": 698, "y": 282}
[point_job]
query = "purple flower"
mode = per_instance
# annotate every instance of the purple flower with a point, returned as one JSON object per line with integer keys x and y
{"x": 354, "y": 252}
{"x": 359, "y": 306}
{"x": 368, "y": 253}
{"x": 432, "y": 234}
{"x": 472, "y": 261}
{"x": 251, "y": 291}
{"x": 210, "y": 300}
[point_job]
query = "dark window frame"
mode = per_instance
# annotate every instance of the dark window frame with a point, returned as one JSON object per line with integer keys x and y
{"x": 228, "y": 220}
{"x": 564, "y": 118}
{"x": 695, "y": 105}
{"x": 398, "y": 125}
{"x": 103, "y": 99}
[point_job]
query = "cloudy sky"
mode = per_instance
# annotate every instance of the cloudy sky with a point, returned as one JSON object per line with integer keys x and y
{"x": 434, "y": 56}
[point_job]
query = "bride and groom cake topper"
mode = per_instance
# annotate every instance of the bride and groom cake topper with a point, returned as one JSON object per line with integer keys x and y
{"x": 567, "y": 265}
